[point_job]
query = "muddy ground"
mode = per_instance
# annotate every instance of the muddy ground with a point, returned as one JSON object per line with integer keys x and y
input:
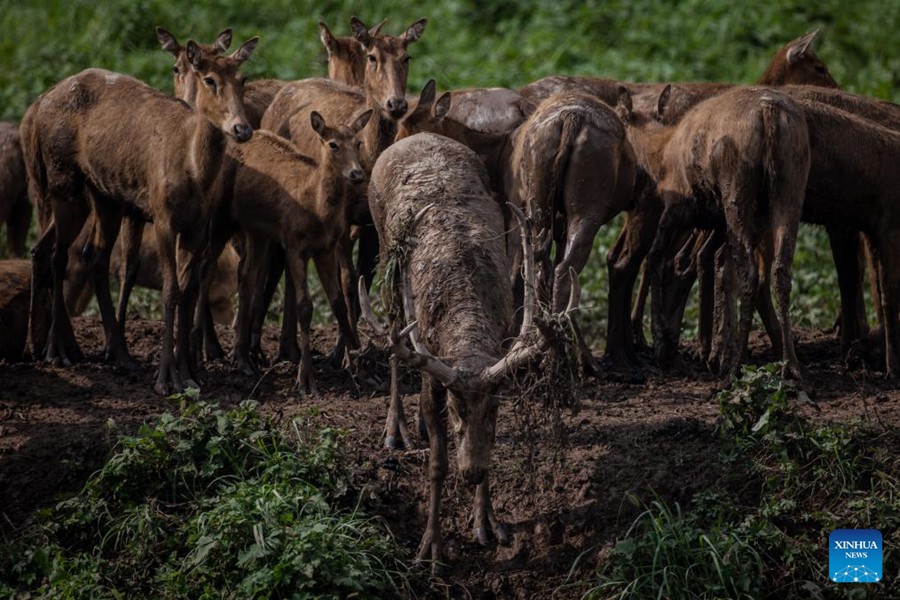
{"x": 562, "y": 505}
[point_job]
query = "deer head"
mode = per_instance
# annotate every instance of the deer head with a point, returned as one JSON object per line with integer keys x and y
{"x": 387, "y": 65}
{"x": 341, "y": 145}
{"x": 428, "y": 115}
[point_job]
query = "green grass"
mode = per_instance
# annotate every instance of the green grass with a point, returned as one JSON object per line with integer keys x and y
{"x": 762, "y": 531}
{"x": 209, "y": 503}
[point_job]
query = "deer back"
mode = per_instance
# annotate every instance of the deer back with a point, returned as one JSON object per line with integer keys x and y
{"x": 456, "y": 256}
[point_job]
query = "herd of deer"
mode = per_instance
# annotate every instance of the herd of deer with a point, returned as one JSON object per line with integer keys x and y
{"x": 485, "y": 204}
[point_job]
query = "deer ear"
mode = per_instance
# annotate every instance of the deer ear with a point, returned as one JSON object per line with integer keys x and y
{"x": 414, "y": 31}
{"x": 326, "y": 37}
{"x": 800, "y": 46}
{"x": 426, "y": 98}
{"x": 318, "y": 123}
{"x": 361, "y": 121}
{"x": 442, "y": 106}
{"x": 223, "y": 41}
{"x": 662, "y": 102}
{"x": 623, "y": 104}
{"x": 361, "y": 33}
{"x": 192, "y": 50}
{"x": 168, "y": 42}
{"x": 243, "y": 53}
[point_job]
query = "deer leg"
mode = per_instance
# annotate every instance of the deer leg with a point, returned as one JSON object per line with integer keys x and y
{"x": 887, "y": 260}
{"x": 766, "y": 308}
{"x": 348, "y": 276}
{"x": 168, "y": 379}
{"x": 132, "y": 237}
{"x": 432, "y": 404}
{"x": 251, "y": 275}
{"x": 78, "y": 287}
{"x": 742, "y": 250}
{"x": 204, "y": 331}
{"x": 189, "y": 261}
{"x": 288, "y": 349}
{"x": 68, "y": 216}
{"x": 706, "y": 275}
{"x": 844, "y": 250}
{"x": 624, "y": 263}
{"x": 724, "y": 309}
{"x": 108, "y": 219}
{"x": 395, "y": 426}
{"x": 682, "y": 266}
{"x": 304, "y": 312}
{"x": 485, "y": 519}
{"x": 665, "y": 336}
{"x": 785, "y": 245}
{"x": 41, "y": 290}
{"x": 576, "y": 250}
{"x": 637, "y": 311}
{"x": 329, "y": 275}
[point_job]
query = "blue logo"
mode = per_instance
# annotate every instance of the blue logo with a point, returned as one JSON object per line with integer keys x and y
{"x": 854, "y": 556}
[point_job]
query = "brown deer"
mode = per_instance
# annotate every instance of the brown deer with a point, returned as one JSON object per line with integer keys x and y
{"x": 15, "y": 300}
{"x": 740, "y": 158}
{"x": 387, "y": 70}
{"x": 432, "y": 206}
{"x": 110, "y": 139}
{"x": 795, "y": 63}
{"x": 15, "y": 209}
{"x": 346, "y": 57}
{"x": 285, "y": 196}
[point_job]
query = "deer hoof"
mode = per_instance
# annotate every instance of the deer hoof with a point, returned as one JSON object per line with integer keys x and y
{"x": 502, "y": 533}
{"x": 481, "y": 536}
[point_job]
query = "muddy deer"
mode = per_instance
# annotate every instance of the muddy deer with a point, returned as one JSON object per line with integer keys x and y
{"x": 568, "y": 165}
{"x": 795, "y": 63}
{"x": 15, "y": 209}
{"x": 432, "y": 207}
{"x": 742, "y": 159}
{"x": 99, "y": 140}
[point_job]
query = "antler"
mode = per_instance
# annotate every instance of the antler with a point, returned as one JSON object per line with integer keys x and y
{"x": 420, "y": 360}
{"x": 521, "y": 354}
{"x": 528, "y": 267}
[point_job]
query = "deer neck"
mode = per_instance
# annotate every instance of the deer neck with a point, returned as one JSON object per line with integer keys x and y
{"x": 330, "y": 192}
{"x": 492, "y": 148}
{"x": 649, "y": 142}
{"x": 206, "y": 148}
{"x": 378, "y": 135}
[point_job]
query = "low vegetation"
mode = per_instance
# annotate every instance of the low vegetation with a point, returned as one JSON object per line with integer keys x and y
{"x": 210, "y": 503}
{"x": 786, "y": 484}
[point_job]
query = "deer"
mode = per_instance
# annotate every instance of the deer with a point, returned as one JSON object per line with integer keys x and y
{"x": 346, "y": 57}
{"x": 432, "y": 206}
{"x": 283, "y": 195}
{"x": 387, "y": 69}
{"x": 15, "y": 209}
{"x": 568, "y": 165}
{"x": 795, "y": 63}
{"x": 98, "y": 141}
{"x": 15, "y": 302}
{"x": 741, "y": 159}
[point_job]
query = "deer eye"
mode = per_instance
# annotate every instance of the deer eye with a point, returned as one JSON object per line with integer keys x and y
{"x": 372, "y": 59}
{"x": 209, "y": 81}
{"x": 406, "y": 59}
{"x": 333, "y": 146}
{"x": 821, "y": 70}
{"x": 175, "y": 69}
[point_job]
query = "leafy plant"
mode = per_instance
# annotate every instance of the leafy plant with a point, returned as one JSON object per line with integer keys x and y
{"x": 210, "y": 503}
